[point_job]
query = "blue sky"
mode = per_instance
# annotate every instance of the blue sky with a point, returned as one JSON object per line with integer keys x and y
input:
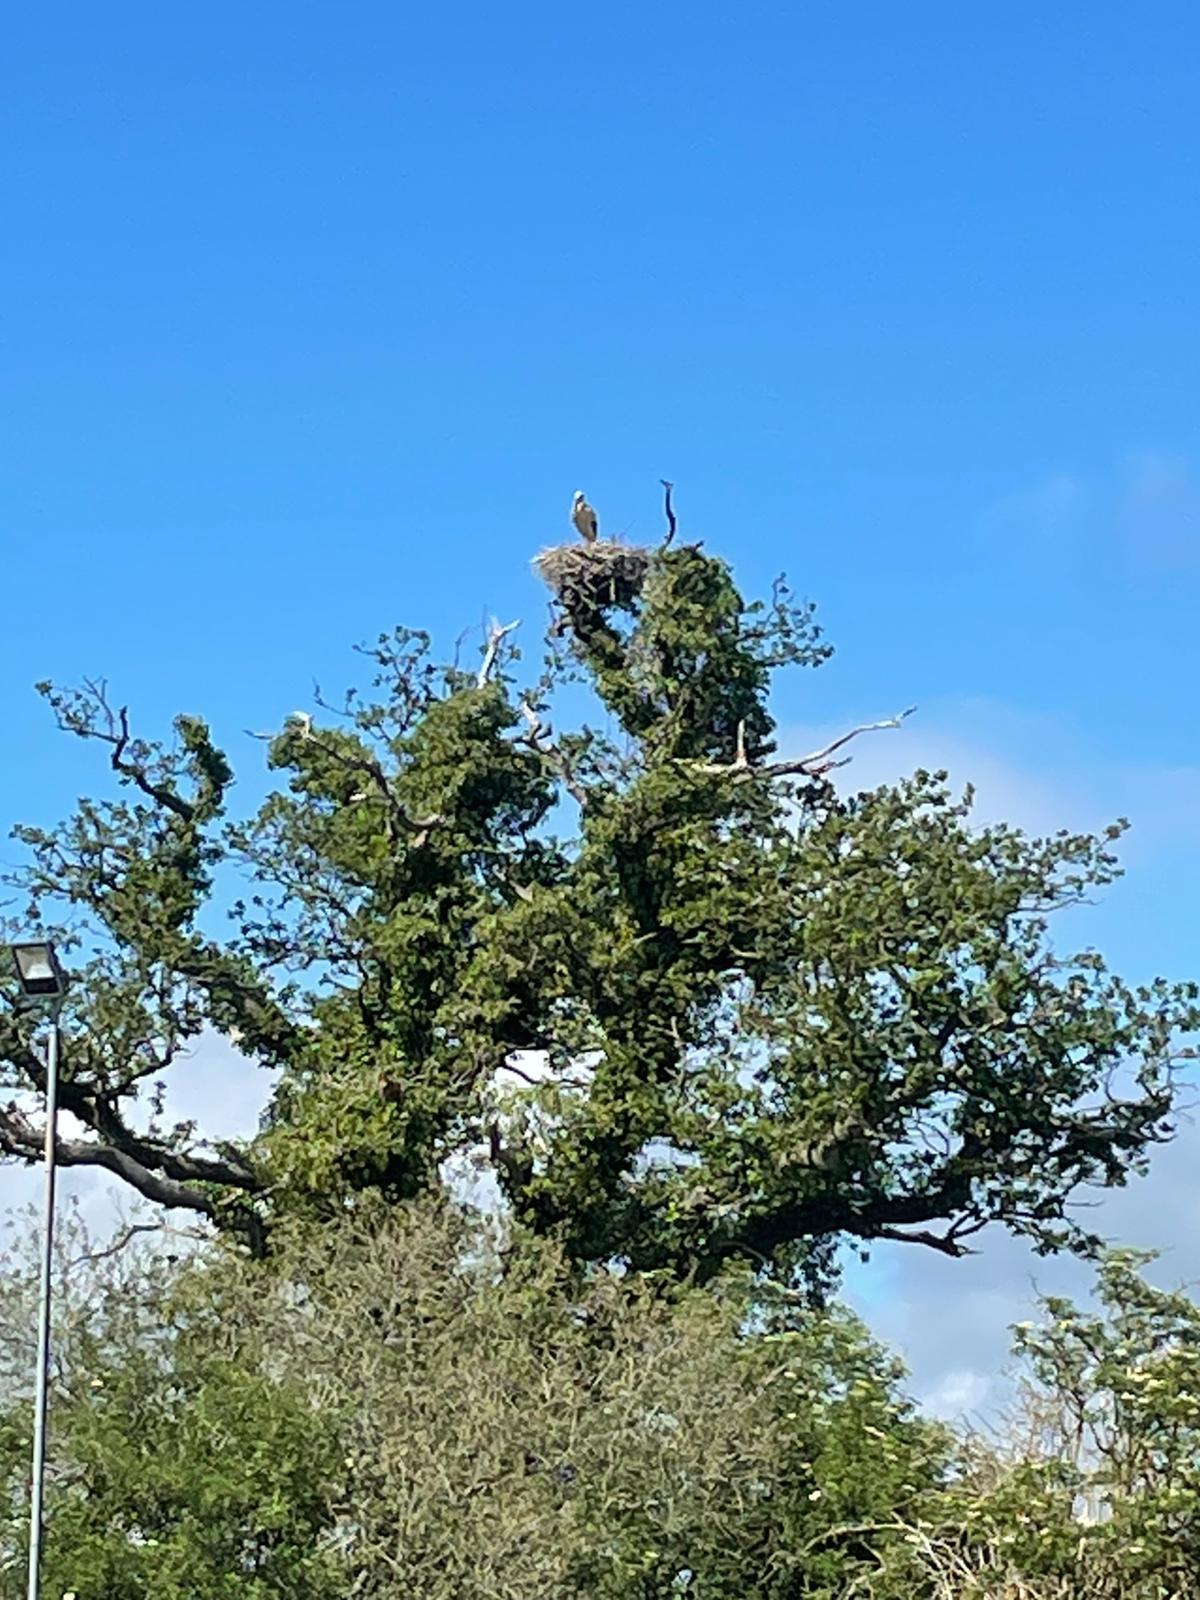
{"x": 314, "y": 317}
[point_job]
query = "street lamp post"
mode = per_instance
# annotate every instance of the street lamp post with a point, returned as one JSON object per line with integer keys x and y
{"x": 41, "y": 978}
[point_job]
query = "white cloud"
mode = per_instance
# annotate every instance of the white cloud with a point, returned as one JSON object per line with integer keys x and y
{"x": 1147, "y": 505}
{"x": 1030, "y": 769}
{"x": 960, "y": 1393}
{"x": 219, "y": 1088}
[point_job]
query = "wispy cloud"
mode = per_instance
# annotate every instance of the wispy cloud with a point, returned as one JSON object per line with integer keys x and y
{"x": 1047, "y": 510}
{"x": 1145, "y": 507}
{"x": 1158, "y": 514}
{"x": 1032, "y": 769}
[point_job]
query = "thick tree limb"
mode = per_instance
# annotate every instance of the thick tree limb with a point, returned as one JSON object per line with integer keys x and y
{"x": 904, "y": 1218}
{"x": 97, "y": 1111}
{"x": 19, "y": 1137}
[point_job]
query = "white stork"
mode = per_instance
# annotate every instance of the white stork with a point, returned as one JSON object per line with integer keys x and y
{"x": 584, "y": 517}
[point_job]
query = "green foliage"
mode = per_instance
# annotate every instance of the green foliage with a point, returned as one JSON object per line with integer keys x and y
{"x": 181, "y": 1464}
{"x": 774, "y": 1016}
{"x": 399, "y": 1403}
{"x": 411, "y": 1401}
{"x": 1093, "y": 1488}
{"x": 1122, "y": 1386}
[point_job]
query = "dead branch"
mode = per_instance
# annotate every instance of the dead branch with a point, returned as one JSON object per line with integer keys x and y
{"x": 126, "y": 1236}
{"x": 495, "y": 638}
{"x": 670, "y": 534}
{"x": 813, "y": 765}
{"x": 539, "y": 740}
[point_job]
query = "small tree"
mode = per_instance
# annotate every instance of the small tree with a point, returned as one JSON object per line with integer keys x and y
{"x": 772, "y": 1016}
{"x": 1092, "y": 1489}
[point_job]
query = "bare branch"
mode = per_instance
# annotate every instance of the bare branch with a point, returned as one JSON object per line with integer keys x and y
{"x": 538, "y": 739}
{"x": 526, "y": 1077}
{"x": 671, "y": 523}
{"x": 946, "y": 1243}
{"x": 813, "y": 765}
{"x": 117, "y": 734}
{"x": 126, "y": 1236}
{"x": 818, "y": 756}
{"x": 495, "y": 638}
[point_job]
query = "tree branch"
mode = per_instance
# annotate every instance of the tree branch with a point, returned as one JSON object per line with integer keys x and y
{"x": 538, "y": 738}
{"x": 813, "y": 765}
{"x": 137, "y": 774}
{"x": 117, "y": 735}
{"x": 96, "y": 1111}
{"x": 418, "y": 828}
{"x": 19, "y": 1137}
{"x": 126, "y": 1236}
{"x": 496, "y": 637}
{"x": 947, "y": 1243}
{"x": 671, "y": 523}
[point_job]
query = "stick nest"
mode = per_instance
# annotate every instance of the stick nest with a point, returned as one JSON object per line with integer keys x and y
{"x": 597, "y": 574}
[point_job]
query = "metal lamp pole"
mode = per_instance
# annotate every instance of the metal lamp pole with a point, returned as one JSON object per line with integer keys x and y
{"x": 41, "y": 977}
{"x": 43, "y": 1337}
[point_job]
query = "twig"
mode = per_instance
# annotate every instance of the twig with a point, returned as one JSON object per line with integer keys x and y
{"x": 667, "y": 487}
{"x": 496, "y": 637}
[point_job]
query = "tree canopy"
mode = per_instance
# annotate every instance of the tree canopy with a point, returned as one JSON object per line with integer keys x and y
{"x": 769, "y": 1014}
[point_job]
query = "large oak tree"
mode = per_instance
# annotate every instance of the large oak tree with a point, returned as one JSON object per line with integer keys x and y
{"x": 770, "y": 1015}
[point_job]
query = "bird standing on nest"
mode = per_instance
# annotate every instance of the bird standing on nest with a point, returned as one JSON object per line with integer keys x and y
{"x": 584, "y": 517}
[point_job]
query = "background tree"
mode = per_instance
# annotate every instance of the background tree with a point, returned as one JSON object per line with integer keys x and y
{"x": 392, "y": 1406}
{"x": 773, "y": 1017}
{"x": 1091, "y": 1487}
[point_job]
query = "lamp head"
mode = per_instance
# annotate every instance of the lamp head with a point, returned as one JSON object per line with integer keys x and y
{"x": 38, "y": 970}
